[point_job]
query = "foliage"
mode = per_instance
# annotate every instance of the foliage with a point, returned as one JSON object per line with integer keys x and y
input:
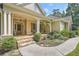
{"x": 77, "y": 32}
{"x": 50, "y": 33}
{"x": 8, "y": 43}
{"x": 68, "y": 34}
{"x": 55, "y": 35}
{"x": 65, "y": 33}
{"x": 37, "y": 37}
{"x": 72, "y": 34}
{"x": 73, "y": 10}
{"x": 57, "y": 13}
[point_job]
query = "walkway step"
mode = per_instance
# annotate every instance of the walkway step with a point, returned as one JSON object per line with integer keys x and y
{"x": 25, "y": 44}
{"x": 21, "y": 38}
{"x": 24, "y": 41}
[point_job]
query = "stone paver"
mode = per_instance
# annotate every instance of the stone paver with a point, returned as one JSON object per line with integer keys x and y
{"x": 35, "y": 50}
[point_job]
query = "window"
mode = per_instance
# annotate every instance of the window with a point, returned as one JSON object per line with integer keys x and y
{"x": 19, "y": 27}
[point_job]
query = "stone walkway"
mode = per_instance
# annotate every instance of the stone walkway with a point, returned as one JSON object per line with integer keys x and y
{"x": 60, "y": 50}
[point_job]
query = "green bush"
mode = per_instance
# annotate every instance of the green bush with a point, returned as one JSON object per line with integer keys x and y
{"x": 50, "y": 35}
{"x": 65, "y": 33}
{"x": 37, "y": 37}
{"x": 9, "y": 43}
{"x": 72, "y": 34}
{"x": 55, "y": 35}
{"x": 77, "y": 32}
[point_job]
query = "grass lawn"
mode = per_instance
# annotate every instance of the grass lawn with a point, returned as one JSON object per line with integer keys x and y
{"x": 75, "y": 52}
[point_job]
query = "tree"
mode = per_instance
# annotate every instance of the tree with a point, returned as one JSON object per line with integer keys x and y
{"x": 63, "y": 14}
{"x": 73, "y": 10}
{"x": 56, "y": 13}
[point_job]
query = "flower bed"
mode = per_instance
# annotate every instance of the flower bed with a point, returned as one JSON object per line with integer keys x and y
{"x": 56, "y": 38}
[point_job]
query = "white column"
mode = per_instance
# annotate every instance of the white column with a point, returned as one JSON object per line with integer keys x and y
{"x": 9, "y": 23}
{"x": 5, "y": 23}
{"x": 50, "y": 26}
{"x": 12, "y": 25}
{"x": 38, "y": 25}
{"x": 1, "y": 23}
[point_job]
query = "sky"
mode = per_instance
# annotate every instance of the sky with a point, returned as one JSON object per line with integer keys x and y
{"x": 48, "y": 7}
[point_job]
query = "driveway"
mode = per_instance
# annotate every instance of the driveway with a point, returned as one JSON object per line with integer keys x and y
{"x": 60, "y": 50}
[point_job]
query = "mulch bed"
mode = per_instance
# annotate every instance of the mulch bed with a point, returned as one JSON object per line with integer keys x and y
{"x": 50, "y": 43}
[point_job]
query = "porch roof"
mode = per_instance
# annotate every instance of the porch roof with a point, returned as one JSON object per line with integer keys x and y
{"x": 14, "y": 7}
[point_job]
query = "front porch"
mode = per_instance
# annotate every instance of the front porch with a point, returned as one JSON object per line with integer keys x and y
{"x": 18, "y": 22}
{"x": 21, "y": 24}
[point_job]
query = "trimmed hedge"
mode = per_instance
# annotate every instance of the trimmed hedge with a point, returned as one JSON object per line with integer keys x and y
{"x": 37, "y": 37}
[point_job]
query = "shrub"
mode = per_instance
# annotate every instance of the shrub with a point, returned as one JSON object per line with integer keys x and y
{"x": 50, "y": 33}
{"x": 37, "y": 37}
{"x": 50, "y": 37}
{"x": 72, "y": 34}
{"x": 8, "y": 43}
{"x": 77, "y": 32}
{"x": 55, "y": 35}
{"x": 61, "y": 37}
{"x": 65, "y": 33}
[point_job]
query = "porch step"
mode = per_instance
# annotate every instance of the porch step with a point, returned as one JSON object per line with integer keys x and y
{"x": 25, "y": 44}
{"x": 24, "y": 41}
{"x": 23, "y": 37}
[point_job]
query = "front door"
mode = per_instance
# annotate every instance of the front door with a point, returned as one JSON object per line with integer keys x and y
{"x": 18, "y": 28}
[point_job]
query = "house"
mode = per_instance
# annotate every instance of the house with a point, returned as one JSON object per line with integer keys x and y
{"x": 28, "y": 18}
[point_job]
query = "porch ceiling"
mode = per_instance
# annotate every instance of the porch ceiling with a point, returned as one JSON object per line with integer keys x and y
{"x": 16, "y": 8}
{"x": 22, "y": 16}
